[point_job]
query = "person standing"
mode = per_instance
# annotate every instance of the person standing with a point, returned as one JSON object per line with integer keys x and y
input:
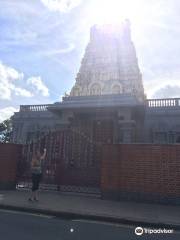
{"x": 36, "y": 171}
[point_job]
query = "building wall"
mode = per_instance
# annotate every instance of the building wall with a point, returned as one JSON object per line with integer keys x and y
{"x": 162, "y": 125}
{"x": 141, "y": 172}
{"x": 150, "y": 124}
{"x": 28, "y": 125}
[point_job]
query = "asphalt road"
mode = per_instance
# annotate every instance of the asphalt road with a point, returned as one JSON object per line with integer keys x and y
{"x": 24, "y": 226}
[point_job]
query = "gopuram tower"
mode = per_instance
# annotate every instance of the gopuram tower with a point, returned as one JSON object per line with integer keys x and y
{"x": 109, "y": 65}
{"x": 107, "y": 101}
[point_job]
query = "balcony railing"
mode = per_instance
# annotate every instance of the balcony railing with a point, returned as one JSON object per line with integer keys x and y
{"x": 34, "y": 108}
{"x": 151, "y": 103}
{"x": 165, "y": 102}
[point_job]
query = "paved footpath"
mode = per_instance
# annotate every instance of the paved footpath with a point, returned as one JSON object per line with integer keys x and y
{"x": 88, "y": 207}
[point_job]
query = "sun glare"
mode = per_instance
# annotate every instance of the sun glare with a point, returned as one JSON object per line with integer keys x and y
{"x": 114, "y": 11}
{"x": 141, "y": 13}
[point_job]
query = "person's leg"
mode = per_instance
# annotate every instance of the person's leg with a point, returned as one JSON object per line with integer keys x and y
{"x": 32, "y": 195}
{"x": 37, "y": 187}
{"x": 36, "y": 195}
{"x": 33, "y": 187}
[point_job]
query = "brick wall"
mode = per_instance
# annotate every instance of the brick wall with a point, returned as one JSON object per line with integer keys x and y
{"x": 85, "y": 177}
{"x": 9, "y": 156}
{"x": 141, "y": 172}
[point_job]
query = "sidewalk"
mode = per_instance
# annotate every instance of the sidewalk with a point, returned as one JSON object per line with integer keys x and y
{"x": 73, "y": 206}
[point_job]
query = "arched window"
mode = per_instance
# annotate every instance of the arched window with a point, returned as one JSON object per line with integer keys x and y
{"x": 116, "y": 89}
{"x": 95, "y": 89}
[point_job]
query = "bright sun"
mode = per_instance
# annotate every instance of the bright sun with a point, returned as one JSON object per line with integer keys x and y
{"x": 141, "y": 13}
{"x": 114, "y": 11}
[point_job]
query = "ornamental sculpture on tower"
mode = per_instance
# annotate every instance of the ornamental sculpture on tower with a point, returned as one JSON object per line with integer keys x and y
{"x": 109, "y": 65}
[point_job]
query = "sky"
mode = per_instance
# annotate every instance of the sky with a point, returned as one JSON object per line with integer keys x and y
{"x": 42, "y": 43}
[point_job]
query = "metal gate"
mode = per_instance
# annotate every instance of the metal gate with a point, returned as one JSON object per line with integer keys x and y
{"x": 72, "y": 162}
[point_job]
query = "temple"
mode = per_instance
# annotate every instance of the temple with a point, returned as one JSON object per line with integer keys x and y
{"x": 109, "y": 65}
{"x": 107, "y": 103}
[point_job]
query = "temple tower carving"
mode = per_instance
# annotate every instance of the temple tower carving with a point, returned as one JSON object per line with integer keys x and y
{"x": 109, "y": 65}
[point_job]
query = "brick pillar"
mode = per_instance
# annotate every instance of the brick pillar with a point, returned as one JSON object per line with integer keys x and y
{"x": 9, "y": 156}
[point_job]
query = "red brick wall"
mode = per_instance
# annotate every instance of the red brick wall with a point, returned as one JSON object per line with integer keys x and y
{"x": 9, "y": 156}
{"x": 141, "y": 172}
{"x": 85, "y": 177}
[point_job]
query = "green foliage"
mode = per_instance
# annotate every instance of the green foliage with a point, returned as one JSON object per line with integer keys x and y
{"x": 5, "y": 130}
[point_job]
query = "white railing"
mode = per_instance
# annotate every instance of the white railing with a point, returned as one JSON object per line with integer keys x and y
{"x": 165, "y": 102}
{"x": 34, "y": 108}
{"x": 152, "y": 103}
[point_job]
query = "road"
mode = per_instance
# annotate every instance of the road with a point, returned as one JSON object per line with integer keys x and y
{"x": 25, "y": 226}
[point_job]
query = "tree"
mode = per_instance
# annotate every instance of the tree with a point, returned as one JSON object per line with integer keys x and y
{"x": 5, "y": 130}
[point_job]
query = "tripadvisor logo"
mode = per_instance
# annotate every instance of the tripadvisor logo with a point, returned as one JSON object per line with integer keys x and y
{"x": 139, "y": 231}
